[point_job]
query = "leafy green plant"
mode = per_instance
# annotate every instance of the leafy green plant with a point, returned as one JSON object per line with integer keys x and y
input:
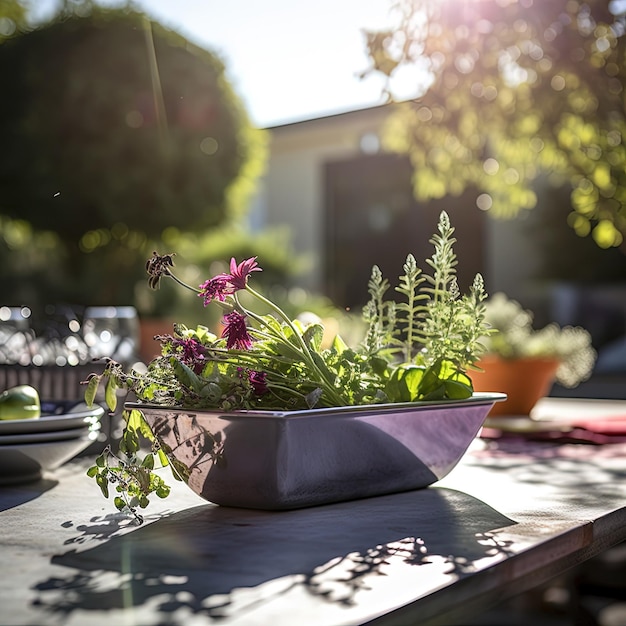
{"x": 417, "y": 349}
{"x": 509, "y": 96}
{"x": 514, "y": 337}
{"x": 154, "y": 137}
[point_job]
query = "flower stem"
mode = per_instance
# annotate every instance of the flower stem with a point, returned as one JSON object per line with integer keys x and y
{"x": 308, "y": 358}
{"x": 182, "y": 283}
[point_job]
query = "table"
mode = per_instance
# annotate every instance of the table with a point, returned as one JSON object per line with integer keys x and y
{"x": 511, "y": 515}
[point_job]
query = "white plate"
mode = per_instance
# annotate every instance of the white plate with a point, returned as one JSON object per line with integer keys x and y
{"x": 53, "y": 435}
{"x": 22, "y": 463}
{"x": 77, "y": 416}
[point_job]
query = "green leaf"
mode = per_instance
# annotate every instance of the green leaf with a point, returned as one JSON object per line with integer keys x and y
{"x": 404, "y": 382}
{"x": 148, "y": 462}
{"x": 129, "y": 443}
{"x": 339, "y": 345}
{"x": 412, "y": 379}
{"x": 137, "y": 422}
{"x": 313, "y": 335}
{"x": 163, "y": 458}
{"x": 163, "y": 491}
{"x": 457, "y": 390}
{"x": 322, "y": 366}
{"x": 120, "y": 504}
{"x": 289, "y": 348}
{"x": 110, "y": 396}
{"x": 103, "y": 483}
{"x": 92, "y": 389}
{"x": 93, "y": 471}
{"x": 186, "y": 375}
{"x": 379, "y": 365}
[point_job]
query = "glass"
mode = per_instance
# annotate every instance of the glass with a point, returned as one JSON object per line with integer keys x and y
{"x": 16, "y": 335}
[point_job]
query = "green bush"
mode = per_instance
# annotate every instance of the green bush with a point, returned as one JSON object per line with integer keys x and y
{"x": 116, "y": 129}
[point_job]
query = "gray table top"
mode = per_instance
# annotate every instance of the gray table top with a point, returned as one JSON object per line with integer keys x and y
{"x": 512, "y": 514}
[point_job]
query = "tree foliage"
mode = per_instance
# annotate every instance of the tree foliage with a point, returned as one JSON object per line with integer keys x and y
{"x": 13, "y": 16}
{"x": 115, "y": 130}
{"x": 510, "y": 90}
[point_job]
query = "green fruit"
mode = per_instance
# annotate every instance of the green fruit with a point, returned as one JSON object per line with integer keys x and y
{"x": 20, "y": 403}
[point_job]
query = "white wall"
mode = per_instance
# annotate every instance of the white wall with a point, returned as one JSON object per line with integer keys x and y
{"x": 292, "y": 193}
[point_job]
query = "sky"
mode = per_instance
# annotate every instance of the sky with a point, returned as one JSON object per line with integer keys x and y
{"x": 288, "y": 60}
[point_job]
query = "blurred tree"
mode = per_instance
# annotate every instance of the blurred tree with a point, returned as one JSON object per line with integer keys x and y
{"x": 116, "y": 129}
{"x": 507, "y": 90}
{"x": 13, "y": 18}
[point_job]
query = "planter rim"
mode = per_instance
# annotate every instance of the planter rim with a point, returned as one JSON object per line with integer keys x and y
{"x": 477, "y": 398}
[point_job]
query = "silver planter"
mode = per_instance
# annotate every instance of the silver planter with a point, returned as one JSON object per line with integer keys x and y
{"x": 277, "y": 460}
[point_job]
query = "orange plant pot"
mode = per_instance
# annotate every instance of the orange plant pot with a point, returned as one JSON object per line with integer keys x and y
{"x": 149, "y": 348}
{"x": 525, "y": 381}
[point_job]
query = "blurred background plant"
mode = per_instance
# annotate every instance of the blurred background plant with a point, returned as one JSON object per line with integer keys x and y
{"x": 507, "y": 93}
{"x": 122, "y": 137}
{"x": 515, "y": 338}
{"x": 116, "y": 131}
{"x": 208, "y": 253}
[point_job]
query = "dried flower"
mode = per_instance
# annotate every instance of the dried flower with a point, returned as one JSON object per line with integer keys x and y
{"x": 157, "y": 266}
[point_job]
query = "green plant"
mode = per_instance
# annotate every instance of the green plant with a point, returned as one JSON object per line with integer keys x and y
{"x": 13, "y": 17}
{"x": 505, "y": 91}
{"x": 418, "y": 349}
{"x": 514, "y": 337}
{"x": 114, "y": 130}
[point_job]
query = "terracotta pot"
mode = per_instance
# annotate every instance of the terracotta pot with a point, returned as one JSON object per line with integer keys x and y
{"x": 149, "y": 348}
{"x": 525, "y": 381}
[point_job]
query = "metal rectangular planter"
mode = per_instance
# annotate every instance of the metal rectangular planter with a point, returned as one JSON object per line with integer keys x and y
{"x": 285, "y": 460}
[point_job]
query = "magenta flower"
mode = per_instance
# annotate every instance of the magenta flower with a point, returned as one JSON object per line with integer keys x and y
{"x": 258, "y": 382}
{"x": 222, "y": 285}
{"x": 191, "y": 353}
{"x": 236, "y": 331}
{"x": 216, "y": 288}
{"x": 239, "y": 273}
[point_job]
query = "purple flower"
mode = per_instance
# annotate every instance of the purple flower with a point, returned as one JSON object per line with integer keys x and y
{"x": 239, "y": 273}
{"x": 216, "y": 288}
{"x": 258, "y": 382}
{"x": 236, "y": 332}
{"x": 191, "y": 353}
{"x": 222, "y": 285}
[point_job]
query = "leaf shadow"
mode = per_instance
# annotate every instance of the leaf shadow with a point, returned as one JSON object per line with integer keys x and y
{"x": 198, "y": 560}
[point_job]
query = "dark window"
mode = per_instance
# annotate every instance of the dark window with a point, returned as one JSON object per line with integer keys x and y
{"x": 373, "y": 218}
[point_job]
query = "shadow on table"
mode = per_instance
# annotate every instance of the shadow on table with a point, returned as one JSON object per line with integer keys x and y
{"x": 583, "y": 476}
{"x": 14, "y": 495}
{"x": 216, "y": 560}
